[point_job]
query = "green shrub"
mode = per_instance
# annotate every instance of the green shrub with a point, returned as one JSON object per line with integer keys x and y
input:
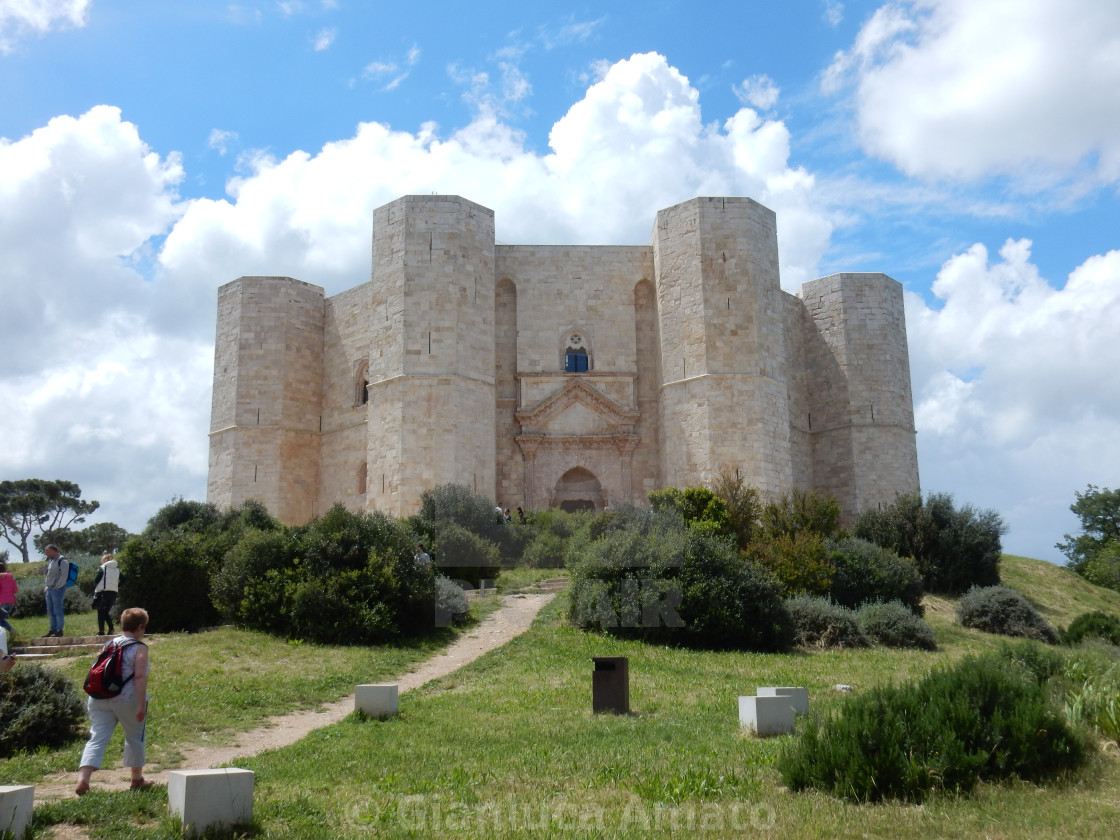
{"x": 893, "y": 624}
{"x": 649, "y": 576}
{"x": 356, "y": 581}
{"x": 250, "y": 588}
{"x": 1002, "y": 610}
{"x": 464, "y": 555}
{"x": 1036, "y": 662}
{"x": 864, "y": 573}
{"x": 1103, "y": 568}
{"x": 954, "y": 549}
{"x": 450, "y": 600}
{"x": 697, "y": 506}
{"x": 546, "y": 551}
{"x": 819, "y": 623}
{"x": 800, "y": 512}
{"x": 978, "y": 720}
{"x": 39, "y": 708}
{"x": 169, "y": 576}
{"x": 1097, "y": 624}
{"x": 799, "y": 561}
{"x": 744, "y": 507}
{"x": 462, "y": 506}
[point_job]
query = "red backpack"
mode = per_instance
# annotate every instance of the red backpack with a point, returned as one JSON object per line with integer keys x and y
{"x": 105, "y": 679}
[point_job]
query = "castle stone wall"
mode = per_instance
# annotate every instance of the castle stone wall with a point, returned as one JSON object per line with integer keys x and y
{"x": 699, "y": 366}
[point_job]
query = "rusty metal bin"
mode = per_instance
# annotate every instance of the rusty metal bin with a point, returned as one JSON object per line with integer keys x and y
{"x": 610, "y": 685}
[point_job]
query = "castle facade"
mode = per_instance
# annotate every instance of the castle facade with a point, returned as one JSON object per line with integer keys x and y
{"x": 571, "y": 376}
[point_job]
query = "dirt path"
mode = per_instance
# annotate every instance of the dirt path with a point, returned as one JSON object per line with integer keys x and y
{"x": 512, "y": 619}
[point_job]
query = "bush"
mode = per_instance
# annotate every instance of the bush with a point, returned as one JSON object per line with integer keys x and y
{"x": 39, "y": 708}
{"x": 169, "y": 576}
{"x": 954, "y": 549}
{"x": 978, "y": 720}
{"x": 697, "y": 506}
{"x": 357, "y": 581}
{"x": 546, "y": 551}
{"x": 463, "y": 555}
{"x": 819, "y": 623}
{"x": 1103, "y": 568}
{"x": 865, "y": 573}
{"x": 250, "y": 589}
{"x": 799, "y": 561}
{"x": 450, "y": 600}
{"x": 893, "y": 624}
{"x": 1002, "y": 610}
{"x": 799, "y": 512}
{"x": 648, "y": 576}
{"x": 467, "y": 509}
{"x": 1097, "y": 624}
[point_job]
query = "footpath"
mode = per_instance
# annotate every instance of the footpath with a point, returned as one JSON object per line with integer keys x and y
{"x": 511, "y": 619}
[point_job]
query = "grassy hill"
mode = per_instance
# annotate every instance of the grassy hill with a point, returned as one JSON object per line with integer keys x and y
{"x": 508, "y": 747}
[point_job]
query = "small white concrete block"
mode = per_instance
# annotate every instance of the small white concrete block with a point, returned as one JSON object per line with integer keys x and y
{"x": 376, "y": 700}
{"x": 766, "y": 715}
{"x": 205, "y": 799}
{"x": 799, "y": 697}
{"x": 16, "y": 802}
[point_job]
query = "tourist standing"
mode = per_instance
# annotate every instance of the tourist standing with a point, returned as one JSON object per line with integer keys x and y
{"x": 105, "y": 593}
{"x": 8, "y": 590}
{"x": 129, "y": 708}
{"x": 58, "y": 570}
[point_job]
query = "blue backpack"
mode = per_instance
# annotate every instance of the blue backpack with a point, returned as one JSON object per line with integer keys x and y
{"x": 72, "y": 577}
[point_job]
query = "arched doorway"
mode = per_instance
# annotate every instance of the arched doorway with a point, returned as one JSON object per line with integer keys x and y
{"x": 578, "y": 489}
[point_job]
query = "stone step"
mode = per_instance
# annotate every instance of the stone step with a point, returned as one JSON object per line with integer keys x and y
{"x": 45, "y": 646}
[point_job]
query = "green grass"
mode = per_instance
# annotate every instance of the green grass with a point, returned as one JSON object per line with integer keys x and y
{"x": 207, "y": 687}
{"x": 508, "y": 747}
{"x": 519, "y": 579}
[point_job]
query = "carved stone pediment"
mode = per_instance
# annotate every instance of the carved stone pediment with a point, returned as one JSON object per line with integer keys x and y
{"x": 577, "y": 409}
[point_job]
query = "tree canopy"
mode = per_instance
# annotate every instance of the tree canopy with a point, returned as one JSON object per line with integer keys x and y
{"x": 1098, "y": 508}
{"x": 31, "y": 504}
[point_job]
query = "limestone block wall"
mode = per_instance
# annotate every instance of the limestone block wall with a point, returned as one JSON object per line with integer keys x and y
{"x": 865, "y": 451}
{"x": 561, "y": 290}
{"x": 433, "y": 333}
{"x": 265, "y": 417}
{"x": 343, "y": 443}
{"x": 798, "y": 332}
{"x": 724, "y": 401}
{"x": 699, "y": 365}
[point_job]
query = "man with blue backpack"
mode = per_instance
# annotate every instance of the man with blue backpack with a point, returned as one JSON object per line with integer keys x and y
{"x": 58, "y": 573}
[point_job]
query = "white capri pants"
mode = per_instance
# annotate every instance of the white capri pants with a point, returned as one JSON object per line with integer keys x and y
{"x": 104, "y": 715}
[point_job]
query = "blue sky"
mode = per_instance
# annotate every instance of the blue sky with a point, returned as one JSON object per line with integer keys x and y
{"x": 151, "y": 151}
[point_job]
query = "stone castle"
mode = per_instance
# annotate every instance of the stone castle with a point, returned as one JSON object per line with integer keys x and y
{"x": 570, "y": 376}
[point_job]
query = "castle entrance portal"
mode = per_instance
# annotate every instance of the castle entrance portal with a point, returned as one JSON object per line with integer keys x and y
{"x": 578, "y": 489}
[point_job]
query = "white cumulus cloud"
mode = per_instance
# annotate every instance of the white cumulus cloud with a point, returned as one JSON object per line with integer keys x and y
{"x": 21, "y": 18}
{"x": 1015, "y": 385}
{"x": 961, "y": 89}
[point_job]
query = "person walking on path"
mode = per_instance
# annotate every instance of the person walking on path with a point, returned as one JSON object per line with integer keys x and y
{"x": 8, "y": 590}
{"x": 58, "y": 570}
{"x": 129, "y": 708}
{"x": 105, "y": 593}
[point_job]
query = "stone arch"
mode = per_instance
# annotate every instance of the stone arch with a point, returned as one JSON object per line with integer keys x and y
{"x": 578, "y": 489}
{"x": 361, "y": 383}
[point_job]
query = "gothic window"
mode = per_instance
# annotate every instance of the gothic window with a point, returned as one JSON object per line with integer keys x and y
{"x": 576, "y": 357}
{"x": 361, "y": 385}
